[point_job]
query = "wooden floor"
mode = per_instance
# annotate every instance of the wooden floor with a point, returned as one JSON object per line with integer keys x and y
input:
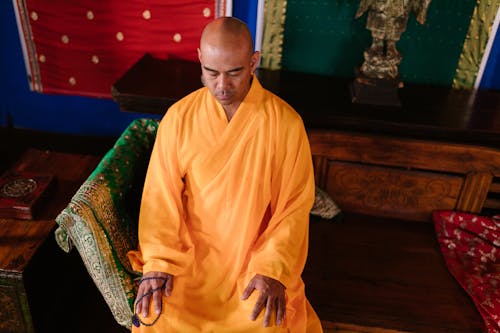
{"x": 383, "y": 273}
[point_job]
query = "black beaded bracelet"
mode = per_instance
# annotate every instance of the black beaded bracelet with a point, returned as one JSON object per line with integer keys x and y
{"x": 136, "y": 320}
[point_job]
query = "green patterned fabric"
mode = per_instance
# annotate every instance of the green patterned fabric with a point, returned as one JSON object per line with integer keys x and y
{"x": 474, "y": 46}
{"x": 272, "y": 35}
{"x": 101, "y": 219}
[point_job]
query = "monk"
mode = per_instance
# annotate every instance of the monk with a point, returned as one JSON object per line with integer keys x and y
{"x": 223, "y": 226}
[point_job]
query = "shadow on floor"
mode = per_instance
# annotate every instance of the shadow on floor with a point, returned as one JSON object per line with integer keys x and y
{"x": 62, "y": 295}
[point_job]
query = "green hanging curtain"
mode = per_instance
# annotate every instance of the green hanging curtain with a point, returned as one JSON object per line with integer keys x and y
{"x": 272, "y": 37}
{"x": 475, "y": 43}
{"x": 323, "y": 37}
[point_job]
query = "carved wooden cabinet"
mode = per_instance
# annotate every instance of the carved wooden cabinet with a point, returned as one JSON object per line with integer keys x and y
{"x": 15, "y": 315}
{"x": 23, "y": 266}
{"x": 404, "y": 178}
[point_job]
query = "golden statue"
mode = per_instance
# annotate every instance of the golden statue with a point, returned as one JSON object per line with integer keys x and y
{"x": 387, "y": 20}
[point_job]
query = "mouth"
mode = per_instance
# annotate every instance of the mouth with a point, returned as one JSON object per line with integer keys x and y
{"x": 223, "y": 97}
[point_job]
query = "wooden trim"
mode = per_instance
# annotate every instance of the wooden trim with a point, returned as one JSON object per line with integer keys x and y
{"x": 495, "y": 187}
{"x": 320, "y": 170}
{"x": 405, "y": 153}
{"x": 492, "y": 203}
{"x": 474, "y": 192}
{"x": 331, "y": 327}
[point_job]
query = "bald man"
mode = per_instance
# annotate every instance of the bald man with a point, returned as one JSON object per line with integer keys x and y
{"x": 223, "y": 227}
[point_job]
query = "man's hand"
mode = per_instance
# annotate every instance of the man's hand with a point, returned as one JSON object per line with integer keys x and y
{"x": 152, "y": 281}
{"x": 272, "y": 297}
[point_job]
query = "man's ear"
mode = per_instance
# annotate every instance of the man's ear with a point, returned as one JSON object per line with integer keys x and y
{"x": 199, "y": 54}
{"x": 254, "y": 62}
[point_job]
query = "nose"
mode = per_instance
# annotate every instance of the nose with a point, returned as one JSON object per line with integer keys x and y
{"x": 224, "y": 82}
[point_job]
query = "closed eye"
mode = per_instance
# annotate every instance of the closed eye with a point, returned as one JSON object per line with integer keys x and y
{"x": 232, "y": 72}
{"x": 235, "y": 71}
{"x": 211, "y": 72}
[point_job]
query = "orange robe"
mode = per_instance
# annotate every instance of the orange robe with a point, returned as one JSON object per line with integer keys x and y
{"x": 224, "y": 201}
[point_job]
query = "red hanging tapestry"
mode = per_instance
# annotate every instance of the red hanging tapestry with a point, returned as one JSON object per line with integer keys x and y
{"x": 471, "y": 248}
{"x": 82, "y": 47}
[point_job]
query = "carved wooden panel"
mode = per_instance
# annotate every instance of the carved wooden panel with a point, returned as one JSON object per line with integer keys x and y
{"x": 11, "y": 315}
{"x": 391, "y": 192}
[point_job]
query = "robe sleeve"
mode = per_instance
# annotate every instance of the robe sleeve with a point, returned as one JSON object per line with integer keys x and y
{"x": 163, "y": 238}
{"x": 281, "y": 250}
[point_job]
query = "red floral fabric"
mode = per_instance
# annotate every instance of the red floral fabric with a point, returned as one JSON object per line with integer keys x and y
{"x": 470, "y": 245}
{"x": 81, "y": 47}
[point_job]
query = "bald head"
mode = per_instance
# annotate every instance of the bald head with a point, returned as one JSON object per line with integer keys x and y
{"x": 227, "y": 32}
{"x": 227, "y": 61}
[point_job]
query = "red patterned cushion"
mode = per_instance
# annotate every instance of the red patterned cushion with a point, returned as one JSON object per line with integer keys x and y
{"x": 471, "y": 248}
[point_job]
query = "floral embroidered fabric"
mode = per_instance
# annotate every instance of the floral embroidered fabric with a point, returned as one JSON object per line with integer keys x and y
{"x": 470, "y": 245}
{"x": 324, "y": 206}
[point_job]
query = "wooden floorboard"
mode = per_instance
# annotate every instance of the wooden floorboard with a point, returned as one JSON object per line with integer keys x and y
{"x": 375, "y": 272}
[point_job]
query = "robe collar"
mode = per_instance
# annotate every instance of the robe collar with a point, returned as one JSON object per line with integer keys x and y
{"x": 231, "y": 136}
{"x": 250, "y": 103}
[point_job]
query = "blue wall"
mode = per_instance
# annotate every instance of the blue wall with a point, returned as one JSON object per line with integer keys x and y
{"x": 246, "y": 10}
{"x": 491, "y": 76}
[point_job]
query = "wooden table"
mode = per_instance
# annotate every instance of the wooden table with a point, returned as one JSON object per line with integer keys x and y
{"x": 21, "y": 239}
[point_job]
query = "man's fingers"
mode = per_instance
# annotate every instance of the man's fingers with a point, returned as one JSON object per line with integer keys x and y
{"x": 145, "y": 305}
{"x": 280, "y": 312}
{"x": 269, "y": 311}
{"x": 150, "y": 292}
{"x": 248, "y": 290}
{"x": 157, "y": 301}
{"x": 138, "y": 306}
{"x": 169, "y": 286}
{"x": 259, "y": 305}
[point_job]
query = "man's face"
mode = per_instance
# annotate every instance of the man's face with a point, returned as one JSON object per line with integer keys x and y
{"x": 226, "y": 72}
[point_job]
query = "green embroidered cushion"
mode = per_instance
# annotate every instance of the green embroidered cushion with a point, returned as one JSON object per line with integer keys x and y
{"x": 101, "y": 219}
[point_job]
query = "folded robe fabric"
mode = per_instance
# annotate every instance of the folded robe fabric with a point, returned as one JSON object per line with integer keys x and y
{"x": 222, "y": 202}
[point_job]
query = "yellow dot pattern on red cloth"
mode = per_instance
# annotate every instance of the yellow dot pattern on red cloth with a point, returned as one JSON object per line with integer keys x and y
{"x": 81, "y": 47}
